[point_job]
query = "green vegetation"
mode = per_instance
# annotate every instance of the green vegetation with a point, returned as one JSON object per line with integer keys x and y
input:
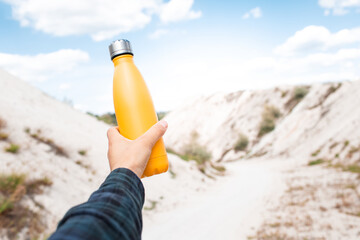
{"x": 194, "y": 151}
{"x": 197, "y": 153}
{"x": 283, "y": 94}
{"x": 14, "y": 216}
{"x": 152, "y": 207}
{"x": 314, "y": 154}
{"x": 218, "y": 168}
{"x": 161, "y": 115}
{"x": 82, "y": 152}
{"x": 13, "y": 148}
{"x": 80, "y": 163}
{"x": 183, "y": 157}
{"x": 316, "y": 162}
{"x": 269, "y": 116}
{"x": 353, "y": 168}
{"x": 300, "y": 93}
{"x": 5, "y": 205}
{"x": 8, "y": 183}
{"x": 241, "y": 143}
{"x": 110, "y": 118}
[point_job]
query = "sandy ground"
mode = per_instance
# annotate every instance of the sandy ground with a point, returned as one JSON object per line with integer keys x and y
{"x": 227, "y": 210}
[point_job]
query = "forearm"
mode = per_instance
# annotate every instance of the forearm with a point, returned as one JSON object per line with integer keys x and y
{"x": 112, "y": 212}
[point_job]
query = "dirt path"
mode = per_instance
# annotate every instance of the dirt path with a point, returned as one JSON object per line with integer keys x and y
{"x": 227, "y": 210}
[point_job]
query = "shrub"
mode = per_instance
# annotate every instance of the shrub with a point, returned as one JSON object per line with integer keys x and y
{"x": 267, "y": 124}
{"x": 14, "y": 216}
{"x": 108, "y": 118}
{"x": 197, "y": 152}
{"x": 272, "y": 112}
{"x": 82, "y": 152}
{"x": 183, "y": 157}
{"x": 8, "y": 183}
{"x": 13, "y": 148}
{"x": 316, "y": 162}
{"x": 3, "y": 136}
{"x": 161, "y": 115}
{"x": 194, "y": 151}
{"x": 300, "y": 93}
{"x": 241, "y": 143}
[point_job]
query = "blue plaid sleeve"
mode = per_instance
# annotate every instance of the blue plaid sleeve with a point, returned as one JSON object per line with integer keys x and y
{"x": 112, "y": 212}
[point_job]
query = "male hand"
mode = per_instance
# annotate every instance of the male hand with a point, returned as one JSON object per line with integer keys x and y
{"x": 133, "y": 154}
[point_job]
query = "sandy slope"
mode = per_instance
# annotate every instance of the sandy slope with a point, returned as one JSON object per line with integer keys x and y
{"x": 74, "y": 176}
{"x": 227, "y": 210}
{"x": 184, "y": 203}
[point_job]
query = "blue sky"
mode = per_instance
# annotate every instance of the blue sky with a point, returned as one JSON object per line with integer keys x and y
{"x": 183, "y": 48}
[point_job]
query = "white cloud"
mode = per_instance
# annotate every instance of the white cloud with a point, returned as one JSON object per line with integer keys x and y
{"x": 338, "y": 7}
{"x": 317, "y": 38}
{"x": 176, "y": 10}
{"x": 158, "y": 33}
{"x": 40, "y": 67}
{"x": 253, "y": 13}
{"x": 202, "y": 74}
{"x": 101, "y": 19}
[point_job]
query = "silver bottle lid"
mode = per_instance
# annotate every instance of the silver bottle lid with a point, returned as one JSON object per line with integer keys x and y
{"x": 119, "y": 47}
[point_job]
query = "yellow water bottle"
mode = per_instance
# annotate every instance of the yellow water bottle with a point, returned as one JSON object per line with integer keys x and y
{"x": 134, "y": 108}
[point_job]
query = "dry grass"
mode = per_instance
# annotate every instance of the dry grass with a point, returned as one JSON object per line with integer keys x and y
{"x": 2, "y": 123}
{"x": 82, "y": 164}
{"x": 58, "y": 150}
{"x": 268, "y": 121}
{"x": 14, "y": 215}
{"x": 323, "y": 204}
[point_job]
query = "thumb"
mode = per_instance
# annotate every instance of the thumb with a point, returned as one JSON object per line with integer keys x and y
{"x": 151, "y": 136}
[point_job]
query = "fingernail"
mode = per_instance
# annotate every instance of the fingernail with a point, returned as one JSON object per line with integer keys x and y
{"x": 163, "y": 123}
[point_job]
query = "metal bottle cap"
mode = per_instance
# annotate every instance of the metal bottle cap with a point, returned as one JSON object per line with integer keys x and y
{"x": 119, "y": 47}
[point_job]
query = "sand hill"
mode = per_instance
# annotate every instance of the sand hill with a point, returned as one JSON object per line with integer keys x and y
{"x": 291, "y": 156}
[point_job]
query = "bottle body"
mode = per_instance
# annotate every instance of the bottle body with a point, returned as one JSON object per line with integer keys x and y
{"x": 134, "y": 110}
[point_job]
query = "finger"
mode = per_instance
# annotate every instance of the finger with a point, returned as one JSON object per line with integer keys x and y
{"x": 151, "y": 136}
{"x": 114, "y": 134}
